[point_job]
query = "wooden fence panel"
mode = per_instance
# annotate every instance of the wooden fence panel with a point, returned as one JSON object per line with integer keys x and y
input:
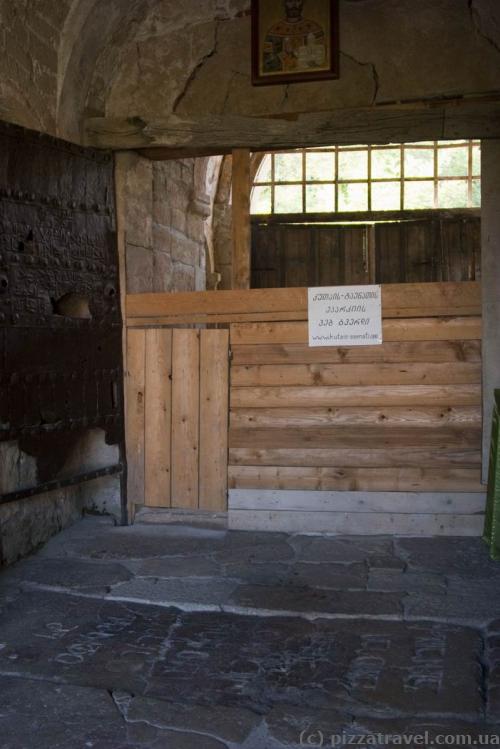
{"x": 401, "y": 417}
{"x": 185, "y": 418}
{"x": 158, "y": 420}
{"x": 214, "y": 418}
{"x": 135, "y": 414}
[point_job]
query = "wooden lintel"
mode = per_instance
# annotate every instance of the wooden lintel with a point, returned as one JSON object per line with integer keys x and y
{"x": 217, "y": 134}
{"x": 190, "y": 152}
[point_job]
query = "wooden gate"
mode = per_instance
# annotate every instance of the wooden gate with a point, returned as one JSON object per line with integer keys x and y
{"x": 177, "y": 418}
{"x": 375, "y": 439}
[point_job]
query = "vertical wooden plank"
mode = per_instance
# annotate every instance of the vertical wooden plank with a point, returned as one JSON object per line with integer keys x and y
{"x": 135, "y": 414}
{"x": 329, "y": 256}
{"x": 214, "y": 417}
{"x": 490, "y": 272}
{"x": 353, "y": 255}
{"x": 241, "y": 218}
{"x": 185, "y": 418}
{"x": 158, "y": 417}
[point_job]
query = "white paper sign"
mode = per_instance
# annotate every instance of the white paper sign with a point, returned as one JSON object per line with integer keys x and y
{"x": 345, "y": 316}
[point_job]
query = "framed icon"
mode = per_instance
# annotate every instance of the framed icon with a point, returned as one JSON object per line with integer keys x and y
{"x": 294, "y": 41}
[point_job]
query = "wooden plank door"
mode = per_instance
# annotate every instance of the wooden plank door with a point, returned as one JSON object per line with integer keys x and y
{"x": 293, "y": 255}
{"x": 177, "y": 418}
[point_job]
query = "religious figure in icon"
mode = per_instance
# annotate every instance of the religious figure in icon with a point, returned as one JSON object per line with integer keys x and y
{"x": 295, "y": 43}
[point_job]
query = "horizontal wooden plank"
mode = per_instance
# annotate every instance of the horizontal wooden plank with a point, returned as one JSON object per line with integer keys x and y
{"x": 422, "y": 329}
{"x": 356, "y": 438}
{"x": 402, "y": 351}
{"x": 318, "y": 375}
{"x": 394, "y": 395}
{"x": 356, "y": 479}
{"x": 208, "y": 319}
{"x": 346, "y": 458}
{"x": 357, "y": 523}
{"x": 426, "y": 119}
{"x": 462, "y": 503}
{"x": 398, "y": 300}
{"x": 346, "y": 217}
{"x": 248, "y": 418}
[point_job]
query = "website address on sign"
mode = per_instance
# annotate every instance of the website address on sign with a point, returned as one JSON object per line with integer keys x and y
{"x": 317, "y": 738}
{"x": 350, "y": 337}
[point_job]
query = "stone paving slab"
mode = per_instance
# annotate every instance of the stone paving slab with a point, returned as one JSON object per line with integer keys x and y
{"x": 376, "y": 667}
{"x": 313, "y": 601}
{"x": 466, "y": 557}
{"x": 409, "y": 582}
{"x": 82, "y": 641}
{"x": 184, "y": 566}
{"x": 330, "y": 575}
{"x": 74, "y": 574}
{"x": 459, "y": 607}
{"x": 252, "y": 663}
{"x": 224, "y": 723}
{"x": 405, "y": 636}
{"x": 213, "y": 592}
{"x": 345, "y": 549}
{"x": 41, "y": 715}
{"x": 298, "y": 727}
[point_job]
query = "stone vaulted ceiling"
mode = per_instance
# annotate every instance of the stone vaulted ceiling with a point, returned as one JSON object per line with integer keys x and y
{"x": 64, "y": 60}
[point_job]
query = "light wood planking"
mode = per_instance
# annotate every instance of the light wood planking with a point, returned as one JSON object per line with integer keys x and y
{"x": 158, "y": 417}
{"x": 397, "y": 395}
{"x": 347, "y": 437}
{"x": 366, "y": 524}
{"x": 398, "y": 300}
{"x": 214, "y": 408}
{"x": 356, "y": 479}
{"x": 135, "y": 414}
{"x": 248, "y": 418}
{"x": 419, "y": 329}
{"x": 423, "y": 373}
{"x": 418, "y": 351}
{"x": 342, "y": 458}
{"x": 358, "y": 501}
{"x": 185, "y": 418}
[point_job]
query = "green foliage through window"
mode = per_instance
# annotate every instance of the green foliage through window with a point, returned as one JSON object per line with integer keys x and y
{"x": 396, "y": 177}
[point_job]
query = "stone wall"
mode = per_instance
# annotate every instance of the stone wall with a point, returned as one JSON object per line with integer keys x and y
{"x": 223, "y": 226}
{"x": 27, "y": 524}
{"x": 62, "y": 61}
{"x": 165, "y": 209}
{"x": 30, "y": 38}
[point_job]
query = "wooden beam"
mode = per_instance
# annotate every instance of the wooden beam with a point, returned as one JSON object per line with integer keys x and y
{"x": 365, "y": 217}
{"x": 241, "y": 219}
{"x": 381, "y": 124}
{"x": 398, "y": 300}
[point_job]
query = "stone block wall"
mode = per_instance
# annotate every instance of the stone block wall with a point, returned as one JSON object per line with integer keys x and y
{"x": 223, "y": 225}
{"x": 165, "y": 211}
{"x": 29, "y": 523}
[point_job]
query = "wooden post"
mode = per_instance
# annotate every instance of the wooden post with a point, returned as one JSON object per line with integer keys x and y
{"x": 241, "y": 219}
{"x": 490, "y": 273}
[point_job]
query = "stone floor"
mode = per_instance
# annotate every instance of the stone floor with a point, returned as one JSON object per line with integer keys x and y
{"x": 175, "y": 637}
